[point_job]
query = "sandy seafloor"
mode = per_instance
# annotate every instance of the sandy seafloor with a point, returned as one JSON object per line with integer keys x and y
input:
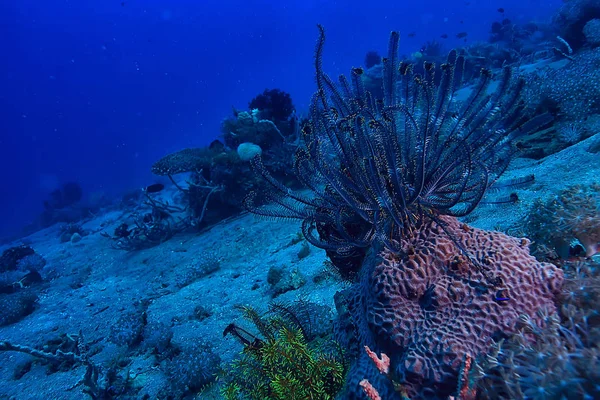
{"x": 96, "y": 284}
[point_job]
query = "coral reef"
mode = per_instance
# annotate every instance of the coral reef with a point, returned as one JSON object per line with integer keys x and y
{"x": 387, "y": 179}
{"x": 273, "y": 104}
{"x": 433, "y": 49}
{"x": 572, "y": 17}
{"x": 277, "y": 139}
{"x": 128, "y": 329}
{"x": 572, "y": 90}
{"x": 559, "y": 360}
{"x": 68, "y": 230}
{"x": 591, "y": 30}
{"x": 390, "y": 157}
{"x": 10, "y": 257}
{"x": 192, "y": 369}
{"x": 373, "y": 80}
{"x": 70, "y": 351}
{"x": 20, "y": 269}
{"x": 247, "y": 151}
{"x": 16, "y": 306}
{"x": 65, "y": 205}
{"x": 150, "y": 225}
{"x": 376, "y": 168}
{"x": 430, "y": 306}
{"x": 186, "y": 160}
{"x": 372, "y": 58}
{"x": 216, "y": 183}
{"x": 573, "y": 214}
{"x": 220, "y": 175}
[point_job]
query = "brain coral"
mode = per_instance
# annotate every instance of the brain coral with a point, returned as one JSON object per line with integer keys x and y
{"x": 430, "y": 307}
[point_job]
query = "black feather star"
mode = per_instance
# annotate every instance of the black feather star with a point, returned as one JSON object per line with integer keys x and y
{"x": 377, "y": 167}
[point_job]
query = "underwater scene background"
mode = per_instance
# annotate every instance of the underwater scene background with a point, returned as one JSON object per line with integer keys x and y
{"x": 300, "y": 200}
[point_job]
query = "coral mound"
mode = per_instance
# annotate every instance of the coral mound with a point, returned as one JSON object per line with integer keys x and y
{"x": 430, "y": 307}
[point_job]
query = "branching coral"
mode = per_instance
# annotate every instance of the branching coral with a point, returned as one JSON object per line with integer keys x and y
{"x": 151, "y": 228}
{"x": 205, "y": 166}
{"x": 98, "y": 382}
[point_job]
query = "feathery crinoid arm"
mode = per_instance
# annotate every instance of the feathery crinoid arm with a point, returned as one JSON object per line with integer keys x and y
{"x": 375, "y": 167}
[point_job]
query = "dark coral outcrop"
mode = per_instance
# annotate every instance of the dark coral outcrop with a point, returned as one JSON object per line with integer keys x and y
{"x": 10, "y": 257}
{"x": 274, "y": 104}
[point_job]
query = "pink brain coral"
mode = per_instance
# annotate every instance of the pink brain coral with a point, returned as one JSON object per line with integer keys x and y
{"x": 430, "y": 307}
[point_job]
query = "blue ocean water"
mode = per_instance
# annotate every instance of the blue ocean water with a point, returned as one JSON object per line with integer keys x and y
{"x": 96, "y": 92}
{"x": 300, "y": 200}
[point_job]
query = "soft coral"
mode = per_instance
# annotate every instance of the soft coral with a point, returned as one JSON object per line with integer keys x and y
{"x": 578, "y": 211}
{"x": 573, "y": 214}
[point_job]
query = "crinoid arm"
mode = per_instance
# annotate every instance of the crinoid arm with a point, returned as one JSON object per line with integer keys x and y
{"x": 385, "y": 164}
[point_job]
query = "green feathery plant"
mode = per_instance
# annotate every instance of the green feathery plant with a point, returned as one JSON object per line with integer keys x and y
{"x": 284, "y": 365}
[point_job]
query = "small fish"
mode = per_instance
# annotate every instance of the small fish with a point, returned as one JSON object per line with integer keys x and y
{"x": 412, "y": 34}
{"x": 122, "y": 4}
{"x": 155, "y": 188}
{"x": 444, "y": 36}
{"x": 462, "y": 22}
{"x": 500, "y": 296}
{"x": 501, "y": 10}
{"x": 461, "y": 35}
